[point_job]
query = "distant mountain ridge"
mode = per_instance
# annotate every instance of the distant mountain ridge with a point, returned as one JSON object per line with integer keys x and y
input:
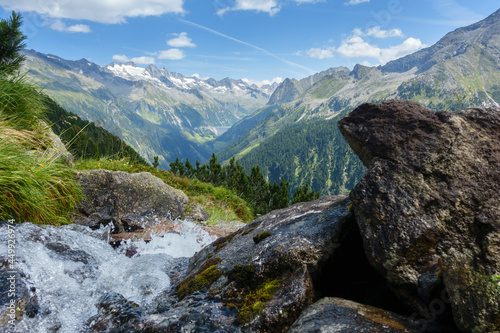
{"x": 461, "y": 70}
{"x": 135, "y": 102}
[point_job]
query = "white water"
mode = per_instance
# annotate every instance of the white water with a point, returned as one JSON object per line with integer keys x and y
{"x": 68, "y": 289}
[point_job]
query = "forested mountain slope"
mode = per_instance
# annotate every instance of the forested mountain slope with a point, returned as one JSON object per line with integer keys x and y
{"x": 461, "y": 70}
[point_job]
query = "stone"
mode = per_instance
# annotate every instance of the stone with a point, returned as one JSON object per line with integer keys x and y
{"x": 130, "y": 201}
{"x": 57, "y": 149}
{"x": 336, "y": 315}
{"x": 237, "y": 285}
{"x": 432, "y": 191}
{"x": 195, "y": 212}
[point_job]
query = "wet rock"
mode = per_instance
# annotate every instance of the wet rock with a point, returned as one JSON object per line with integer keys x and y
{"x": 162, "y": 227}
{"x": 129, "y": 201}
{"x": 431, "y": 191}
{"x": 17, "y": 300}
{"x": 65, "y": 252}
{"x": 260, "y": 287}
{"x": 336, "y": 315}
{"x": 116, "y": 314}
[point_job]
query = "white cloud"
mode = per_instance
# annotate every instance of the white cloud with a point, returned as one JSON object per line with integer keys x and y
{"x": 357, "y": 47}
{"x": 267, "y": 6}
{"x": 321, "y": 53}
{"x": 182, "y": 40}
{"x": 379, "y": 33}
{"x": 61, "y": 26}
{"x": 355, "y": 2}
{"x": 394, "y": 52}
{"x": 104, "y": 11}
{"x": 120, "y": 58}
{"x": 172, "y": 54}
{"x": 136, "y": 60}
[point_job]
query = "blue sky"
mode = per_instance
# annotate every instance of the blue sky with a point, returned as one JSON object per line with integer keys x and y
{"x": 253, "y": 39}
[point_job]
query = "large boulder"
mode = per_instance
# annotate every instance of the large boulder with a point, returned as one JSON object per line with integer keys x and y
{"x": 259, "y": 278}
{"x": 131, "y": 201}
{"x": 428, "y": 207}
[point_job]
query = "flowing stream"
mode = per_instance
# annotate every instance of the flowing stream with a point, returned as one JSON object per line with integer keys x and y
{"x": 67, "y": 269}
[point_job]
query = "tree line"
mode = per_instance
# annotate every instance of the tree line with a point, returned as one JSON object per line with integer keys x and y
{"x": 262, "y": 195}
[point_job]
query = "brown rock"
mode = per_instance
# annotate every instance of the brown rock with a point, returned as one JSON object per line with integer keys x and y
{"x": 432, "y": 190}
{"x": 336, "y": 315}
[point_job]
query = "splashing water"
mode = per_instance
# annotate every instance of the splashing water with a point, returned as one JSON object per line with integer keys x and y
{"x": 69, "y": 268}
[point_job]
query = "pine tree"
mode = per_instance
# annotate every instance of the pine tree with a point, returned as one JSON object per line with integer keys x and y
{"x": 11, "y": 44}
{"x": 177, "y": 167}
{"x": 304, "y": 193}
{"x": 261, "y": 194}
{"x": 189, "y": 169}
{"x": 216, "y": 176}
{"x": 280, "y": 196}
{"x": 155, "y": 162}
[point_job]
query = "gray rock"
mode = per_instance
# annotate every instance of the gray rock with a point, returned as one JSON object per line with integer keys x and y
{"x": 195, "y": 212}
{"x": 129, "y": 201}
{"x": 432, "y": 192}
{"x": 336, "y": 315}
{"x": 57, "y": 149}
{"x": 261, "y": 277}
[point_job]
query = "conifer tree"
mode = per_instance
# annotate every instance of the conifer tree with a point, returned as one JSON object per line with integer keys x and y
{"x": 155, "y": 162}
{"x": 280, "y": 196}
{"x": 304, "y": 193}
{"x": 216, "y": 176}
{"x": 189, "y": 169}
{"x": 11, "y": 44}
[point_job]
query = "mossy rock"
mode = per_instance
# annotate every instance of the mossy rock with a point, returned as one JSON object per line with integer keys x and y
{"x": 260, "y": 237}
{"x": 206, "y": 275}
{"x": 255, "y": 301}
{"x": 242, "y": 275}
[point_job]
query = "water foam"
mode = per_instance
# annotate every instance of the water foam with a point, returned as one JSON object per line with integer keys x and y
{"x": 71, "y": 267}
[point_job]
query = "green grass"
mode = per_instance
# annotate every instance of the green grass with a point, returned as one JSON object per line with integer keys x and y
{"x": 33, "y": 187}
{"x": 220, "y": 203}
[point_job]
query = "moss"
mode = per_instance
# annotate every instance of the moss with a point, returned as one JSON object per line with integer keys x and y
{"x": 223, "y": 241}
{"x": 263, "y": 235}
{"x": 205, "y": 276}
{"x": 255, "y": 301}
{"x": 242, "y": 275}
{"x": 247, "y": 231}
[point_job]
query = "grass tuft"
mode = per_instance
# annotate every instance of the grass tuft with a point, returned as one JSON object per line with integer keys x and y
{"x": 33, "y": 187}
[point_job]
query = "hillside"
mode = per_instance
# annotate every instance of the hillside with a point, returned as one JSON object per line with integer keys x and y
{"x": 461, "y": 70}
{"x": 156, "y": 111}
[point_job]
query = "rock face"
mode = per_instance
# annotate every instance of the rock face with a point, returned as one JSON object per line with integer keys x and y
{"x": 429, "y": 207}
{"x": 126, "y": 199}
{"x": 260, "y": 278}
{"x": 336, "y": 315}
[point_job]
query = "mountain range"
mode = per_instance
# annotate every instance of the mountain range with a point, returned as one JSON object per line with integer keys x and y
{"x": 288, "y": 129}
{"x": 156, "y": 111}
{"x": 295, "y": 135}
